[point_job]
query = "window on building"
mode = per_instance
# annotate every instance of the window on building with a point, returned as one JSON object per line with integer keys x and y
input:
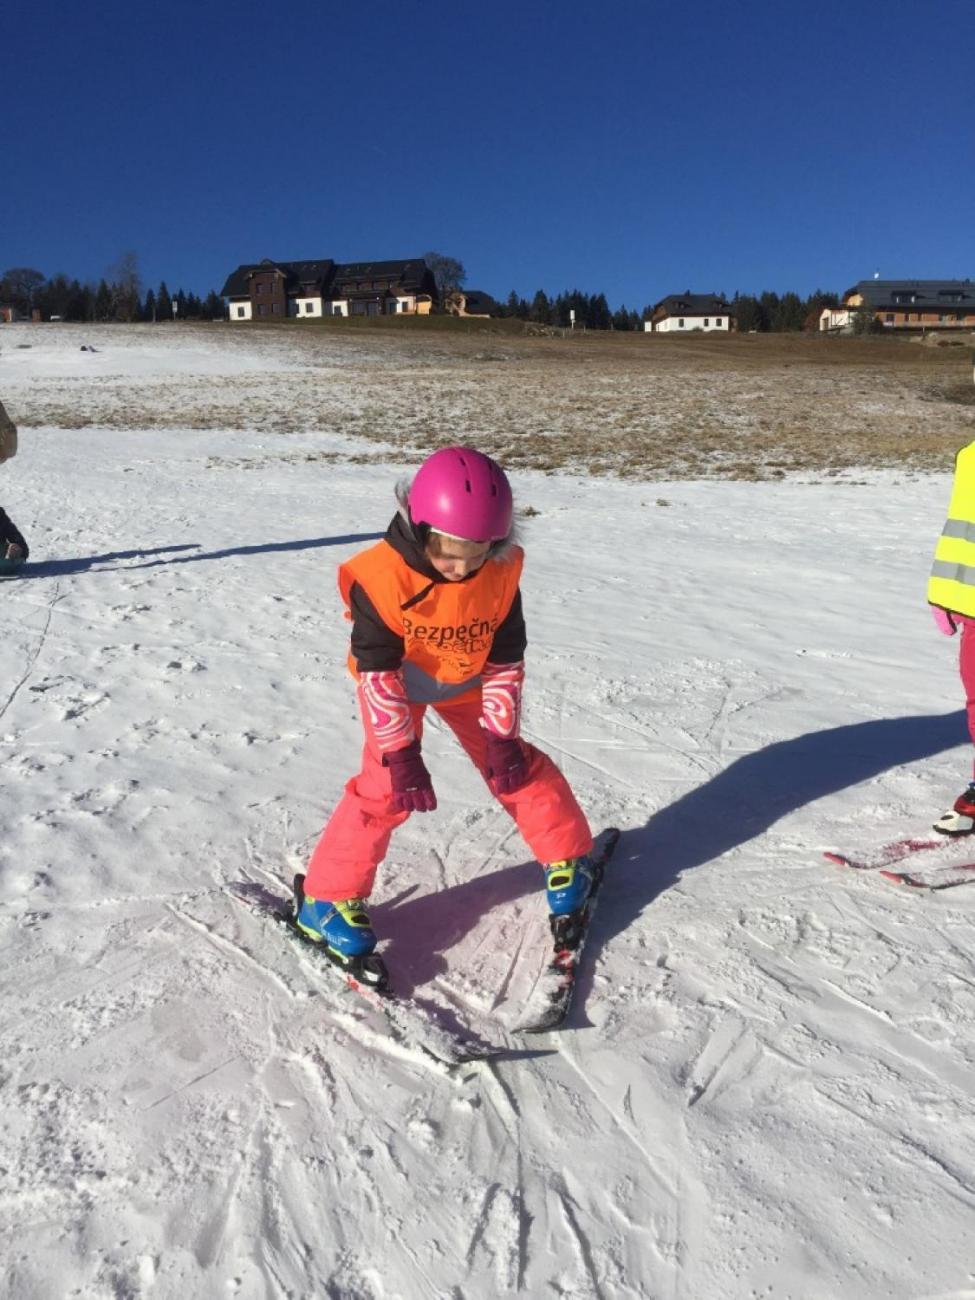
{"x": 259, "y": 287}
{"x": 889, "y": 318}
{"x": 276, "y": 308}
{"x": 707, "y": 322}
{"x": 719, "y": 321}
{"x": 680, "y": 323}
{"x": 308, "y": 306}
{"x": 240, "y": 311}
{"x": 262, "y": 309}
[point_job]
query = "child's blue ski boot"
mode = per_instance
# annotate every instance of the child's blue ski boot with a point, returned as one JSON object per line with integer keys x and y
{"x": 567, "y": 885}
{"x": 343, "y": 927}
{"x": 343, "y": 933}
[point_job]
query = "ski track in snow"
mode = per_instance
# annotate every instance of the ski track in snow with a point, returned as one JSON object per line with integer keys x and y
{"x": 770, "y": 1065}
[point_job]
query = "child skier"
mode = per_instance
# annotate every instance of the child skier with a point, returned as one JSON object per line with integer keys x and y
{"x": 437, "y": 623}
{"x": 951, "y": 594}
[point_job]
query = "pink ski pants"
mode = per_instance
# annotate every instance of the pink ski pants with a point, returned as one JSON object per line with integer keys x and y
{"x": 966, "y": 663}
{"x": 357, "y": 834}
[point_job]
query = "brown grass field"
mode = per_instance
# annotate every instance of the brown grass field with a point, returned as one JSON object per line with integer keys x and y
{"x": 635, "y": 405}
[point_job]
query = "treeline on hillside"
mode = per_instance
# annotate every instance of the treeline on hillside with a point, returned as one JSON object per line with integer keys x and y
{"x": 119, "y": 297}
{"x": 778, "y": 313}
{"x": 765, "y": 313}
{"x": 592, "y": 311}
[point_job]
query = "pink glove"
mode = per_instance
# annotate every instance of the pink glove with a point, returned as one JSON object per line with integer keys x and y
{"x": 944, "y": 620}
{"x": 412, "y": 787}
{"x": 507, "y": 764}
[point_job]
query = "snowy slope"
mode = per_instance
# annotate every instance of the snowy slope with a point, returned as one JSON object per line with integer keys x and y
{"x": 766, "y": 1088}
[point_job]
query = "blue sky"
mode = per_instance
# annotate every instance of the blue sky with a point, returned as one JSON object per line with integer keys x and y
{"x": 636, "y": 147}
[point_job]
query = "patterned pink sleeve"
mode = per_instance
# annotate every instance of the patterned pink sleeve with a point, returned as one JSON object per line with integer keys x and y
{"x": 501, "y": 699}
{"x": 384, "y": 702}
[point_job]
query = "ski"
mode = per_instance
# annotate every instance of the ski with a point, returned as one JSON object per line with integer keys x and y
{"x": 932, "y": 886}
{"x": 887, "y": 854}
{"x": 553, "y": 993}
{"x": 409, "y": 1023}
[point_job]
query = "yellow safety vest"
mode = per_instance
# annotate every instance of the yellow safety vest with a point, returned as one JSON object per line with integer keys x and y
{"x": 952, "y": 581}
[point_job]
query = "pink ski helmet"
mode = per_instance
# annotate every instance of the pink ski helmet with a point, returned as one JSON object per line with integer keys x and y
{"x": 462, "y": 492}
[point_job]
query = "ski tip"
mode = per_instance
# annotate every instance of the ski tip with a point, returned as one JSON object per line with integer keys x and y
{"x": 902, "y": 878}
{"x": 838, "y": 858}
{"x": 604, "y": 845}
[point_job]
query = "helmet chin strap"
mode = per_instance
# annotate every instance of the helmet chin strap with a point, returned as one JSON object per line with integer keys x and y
{"x": 453, "y": 536}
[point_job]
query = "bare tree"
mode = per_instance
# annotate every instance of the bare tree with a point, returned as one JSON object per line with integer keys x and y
{"x": 126, "y": 286}
{"x": 448, "y": 273}
{"x": 20, "y": 285}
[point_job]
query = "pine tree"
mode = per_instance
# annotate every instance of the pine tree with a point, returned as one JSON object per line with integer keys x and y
{"x": 78, "y": 306}
{"x": 600, "y": 317}
{"x": 103, "y": 305}
{"x": 213, "y": 307}
{"x": 164, "y": 304}
{"x": 789, "y": 313}
{"x": 540, "y": 308}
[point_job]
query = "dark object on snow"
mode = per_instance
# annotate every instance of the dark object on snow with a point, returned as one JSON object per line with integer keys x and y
{"x": 8, "y": 436}
{"x": 10, "y": 568}
{"x": 86, "y": 347}
{"x": 10, "y": 535}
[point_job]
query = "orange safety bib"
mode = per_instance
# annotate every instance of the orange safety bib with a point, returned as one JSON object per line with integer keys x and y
{"x": 449, "y": 631}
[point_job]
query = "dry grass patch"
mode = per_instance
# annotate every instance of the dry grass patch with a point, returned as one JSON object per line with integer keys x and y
{"x": 637, "y": 406}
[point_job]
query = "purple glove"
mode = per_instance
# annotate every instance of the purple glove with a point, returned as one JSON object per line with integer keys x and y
{"x": 412, "y": 787}
{"x": 944, "y": 620}
{"x": 507, "y": 764}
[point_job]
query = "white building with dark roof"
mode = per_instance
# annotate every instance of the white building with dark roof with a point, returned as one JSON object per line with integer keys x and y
{"x": 682, "y": 313}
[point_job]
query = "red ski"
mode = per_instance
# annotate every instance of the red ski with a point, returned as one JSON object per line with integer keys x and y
{"x": 918, "y": 882}
{"x": 888, "y": 854}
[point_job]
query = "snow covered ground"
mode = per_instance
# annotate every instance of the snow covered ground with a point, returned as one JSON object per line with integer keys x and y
{"x": 766, "y": 1086}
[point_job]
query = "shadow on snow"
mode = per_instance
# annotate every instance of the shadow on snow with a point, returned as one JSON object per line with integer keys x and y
{"x": 728, "y": 810}
{"x": 109, "y": 561}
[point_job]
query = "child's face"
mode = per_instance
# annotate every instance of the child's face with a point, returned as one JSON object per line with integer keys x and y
{"x": 454, "y": 559}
